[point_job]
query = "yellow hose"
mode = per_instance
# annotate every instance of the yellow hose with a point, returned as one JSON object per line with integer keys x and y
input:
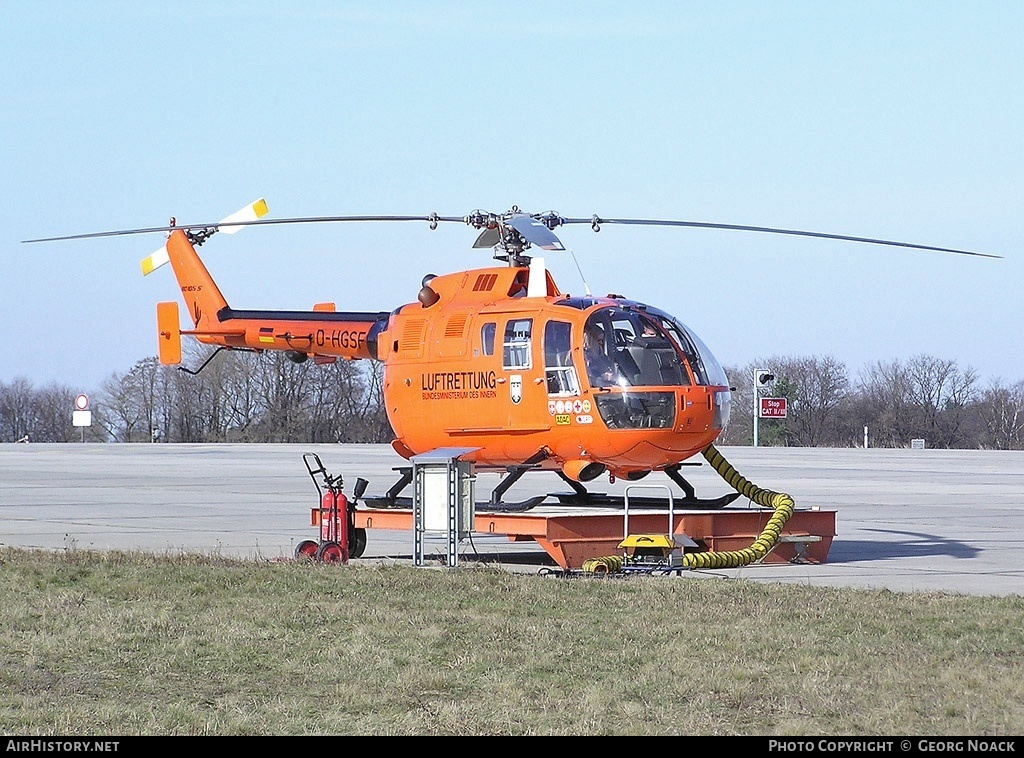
{"x": 608, "y": 564}
{"x": 782, "y": 503}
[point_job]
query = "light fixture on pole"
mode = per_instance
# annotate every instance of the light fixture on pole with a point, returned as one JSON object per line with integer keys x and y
{"x": 762, "y": 379}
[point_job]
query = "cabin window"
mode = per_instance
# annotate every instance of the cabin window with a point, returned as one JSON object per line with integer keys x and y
{"x": 487, "y": 338}
{"x": 558, "y": 368}
{"x": 518, "y": 335}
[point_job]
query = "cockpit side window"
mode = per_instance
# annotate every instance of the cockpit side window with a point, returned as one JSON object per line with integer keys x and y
{"x": 599, "y": 353}
{"x": 558, "y": 368}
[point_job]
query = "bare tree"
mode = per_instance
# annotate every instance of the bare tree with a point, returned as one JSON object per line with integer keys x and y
{"x": 219, "y": 396}
{"x": 884, "y": 402}
{"x": 122, "y": 414}
{"x": 363, "y": 410}
{"x": 146, "y": 379}
{"x": 237, "y": 385}
{"x": 1002, "y": 413}
{"x": 925, "y": 397}
{"x": 51, "y": 415}
{"x": 15, "y": 410}
{"x": 239, "y": 396}
{"x": 282, "y": 396}
{"x": 28, "y": 414}
{"x": 330, "y": 387}
{"x": 377, "y": 424}
{"x": 941, "y": 393}
{"x": 816, "y": 388}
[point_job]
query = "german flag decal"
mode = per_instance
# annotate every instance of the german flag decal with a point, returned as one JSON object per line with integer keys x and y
{"x": 266, "y": 334}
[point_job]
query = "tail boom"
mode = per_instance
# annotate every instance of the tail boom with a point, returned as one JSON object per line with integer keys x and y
{"x": 351, "y": 335}
{"x": 322, "y": 332}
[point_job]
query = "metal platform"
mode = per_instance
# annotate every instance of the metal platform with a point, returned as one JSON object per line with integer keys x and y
{"x": 573, "y": 536}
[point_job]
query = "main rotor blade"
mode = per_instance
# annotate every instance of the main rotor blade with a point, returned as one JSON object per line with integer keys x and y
{"x": 530, "y": 228}
{"x": 261, "y": 222}
{"x": 596, "y": 221}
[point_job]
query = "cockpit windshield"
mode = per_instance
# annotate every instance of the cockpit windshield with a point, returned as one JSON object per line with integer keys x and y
{"x": 636, "y": 346}
{"x": 644, "y": 347}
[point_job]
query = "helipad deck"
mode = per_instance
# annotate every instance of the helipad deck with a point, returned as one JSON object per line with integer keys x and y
{"x": 572, "y": 536}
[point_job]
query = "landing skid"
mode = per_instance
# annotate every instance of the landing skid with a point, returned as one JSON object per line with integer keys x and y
{"x": 391, "y": 498}
{"x": 481, "y": 507}
{"x": 599, "y": 499}
{"x": 580, "y": 496}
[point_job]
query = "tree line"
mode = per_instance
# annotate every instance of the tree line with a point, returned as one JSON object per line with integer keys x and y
{"x": 243, "y": 397}
{"x": 889, "y": 404}
{"x": 236, "y": 396}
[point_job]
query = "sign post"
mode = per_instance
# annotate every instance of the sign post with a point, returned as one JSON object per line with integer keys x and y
{"x": 81, "y": 415}
{"x": 762, "y": 379}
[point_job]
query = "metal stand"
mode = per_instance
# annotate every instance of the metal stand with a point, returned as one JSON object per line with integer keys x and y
{"x": 443, "y": 499}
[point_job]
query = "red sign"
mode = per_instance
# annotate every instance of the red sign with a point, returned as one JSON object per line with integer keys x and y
{"x": 773, "y": 407}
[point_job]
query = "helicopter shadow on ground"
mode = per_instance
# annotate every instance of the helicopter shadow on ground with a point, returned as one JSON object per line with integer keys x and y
{"x": 913, "y": 545}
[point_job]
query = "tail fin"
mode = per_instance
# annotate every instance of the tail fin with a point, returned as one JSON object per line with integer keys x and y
{"x": 200, "y": 293}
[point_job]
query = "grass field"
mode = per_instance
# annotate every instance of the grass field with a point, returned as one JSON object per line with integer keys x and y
{"x": 140, "y": 644}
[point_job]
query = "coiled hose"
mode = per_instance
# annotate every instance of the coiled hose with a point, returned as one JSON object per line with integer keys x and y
{"x": 608, "y": 564}
{"x": 782, "y": 504}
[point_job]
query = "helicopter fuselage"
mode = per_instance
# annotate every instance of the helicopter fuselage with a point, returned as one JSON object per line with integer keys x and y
{"x": 482, "y": 363}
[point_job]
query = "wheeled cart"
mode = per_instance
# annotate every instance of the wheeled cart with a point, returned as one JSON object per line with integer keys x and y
{"x": 340, "y": 539}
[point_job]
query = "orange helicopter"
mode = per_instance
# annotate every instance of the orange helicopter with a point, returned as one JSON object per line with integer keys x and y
{"x": 496, "y": 362}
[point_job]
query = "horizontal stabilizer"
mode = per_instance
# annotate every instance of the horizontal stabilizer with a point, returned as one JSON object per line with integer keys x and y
{"x": 169, "y": 332}
{"x": 214, "y": 332}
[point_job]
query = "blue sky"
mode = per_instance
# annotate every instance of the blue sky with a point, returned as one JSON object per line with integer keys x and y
{"x": 898, "y": 121}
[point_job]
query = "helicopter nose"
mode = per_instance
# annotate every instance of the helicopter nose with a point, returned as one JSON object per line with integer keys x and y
{"x": 580, "y": 470}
